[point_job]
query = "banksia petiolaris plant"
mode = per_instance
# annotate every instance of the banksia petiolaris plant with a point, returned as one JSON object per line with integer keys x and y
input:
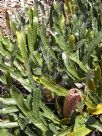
{"x": 71, "y": 101}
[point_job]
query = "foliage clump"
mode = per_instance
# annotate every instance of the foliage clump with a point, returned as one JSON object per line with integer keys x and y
{"x": 51, "y": 50}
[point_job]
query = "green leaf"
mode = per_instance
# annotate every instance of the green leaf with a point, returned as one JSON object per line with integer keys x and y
{"x": 74, "y": 57}
{"x": 22, "y": 46}
{"x": 24, "y": 127}
{"x": 53, "y": 128}
{"x": 17, "y": 76}
{"x": 79, "y": 44}
{"x": 26, "y": 111}
{"x": 5, "y": 124}
{"x": 80, "y": 121}
{"x": 48, "y": 113}
{"x": 52, "y": 86}
{"x": 98, "y": 73}
{"x": 4, "y": 67}
{"x": 8, "y": 101}
{"x": 82, "y": 131}
{"x": 94, "y": 123}
{"x": 3, "y": 132}
{"x": 70, "y": 69}
{"x": 36, "y": 102}
{"x": 13, "y": 26}
{"x": 32, "y": 34}
{"x": 72, "y": 41}
{"x": 35, "y": 28}
{"x": 38, "y": 57}
{"x": 30, "y": 14}
{"x": 60, "y": 41}
{"x": 91, "y": 85}
{"x": 46, "y": 51}
{"x": 101, "y": 118}
{"x": 98, "y": 109}
{"x": 8, "y": 110}
{"x": 89, "y": 75}
{"x": 92, "y": 46}
{"x": 28, "y": 101}
{"x": 8, "y": 79}
{"x": 24, "y": 82}
{"x": 64, "y": 132}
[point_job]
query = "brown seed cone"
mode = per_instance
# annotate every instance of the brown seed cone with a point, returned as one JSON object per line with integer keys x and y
{"x": 71, "y": 101}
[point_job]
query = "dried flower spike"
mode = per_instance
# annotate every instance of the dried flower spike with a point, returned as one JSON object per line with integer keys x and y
{"x": 71, "y": 101}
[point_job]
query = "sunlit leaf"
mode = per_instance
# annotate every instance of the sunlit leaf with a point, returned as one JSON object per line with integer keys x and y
{"x": 64, "y": 132}
{"x": 80, "y": 121}
{"x": 8, "y": 101}
{"x": 5, "y": 124}
{"x": 50, "y": 85}
{"x": 8, "y": 110}
{"x": 82, "y": 131}
{"x": 98, "y": 109}
{"x": 3, "y": 132}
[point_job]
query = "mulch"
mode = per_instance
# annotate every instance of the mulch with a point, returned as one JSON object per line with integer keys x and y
{"x": 9, "y": 8}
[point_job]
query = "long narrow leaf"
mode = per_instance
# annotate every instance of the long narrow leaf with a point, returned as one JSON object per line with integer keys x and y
{"x": 51, "y": 85}
{"x": 8, "y": 110}
{"x": 26, "y": 111}
{"x": 24, "y": 127}
{"x": 8, "y": 101}
{"x": 92, "y": 46}
{"x": 82, "y": 131}
{"x": 74, "y": 57}
{"x": 49, "y": 114}
{"x": 8, "y": 124}
{"x": 22, "y": 46}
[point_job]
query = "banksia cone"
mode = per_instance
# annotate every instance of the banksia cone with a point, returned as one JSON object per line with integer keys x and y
{"x": 71, "y": 101}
